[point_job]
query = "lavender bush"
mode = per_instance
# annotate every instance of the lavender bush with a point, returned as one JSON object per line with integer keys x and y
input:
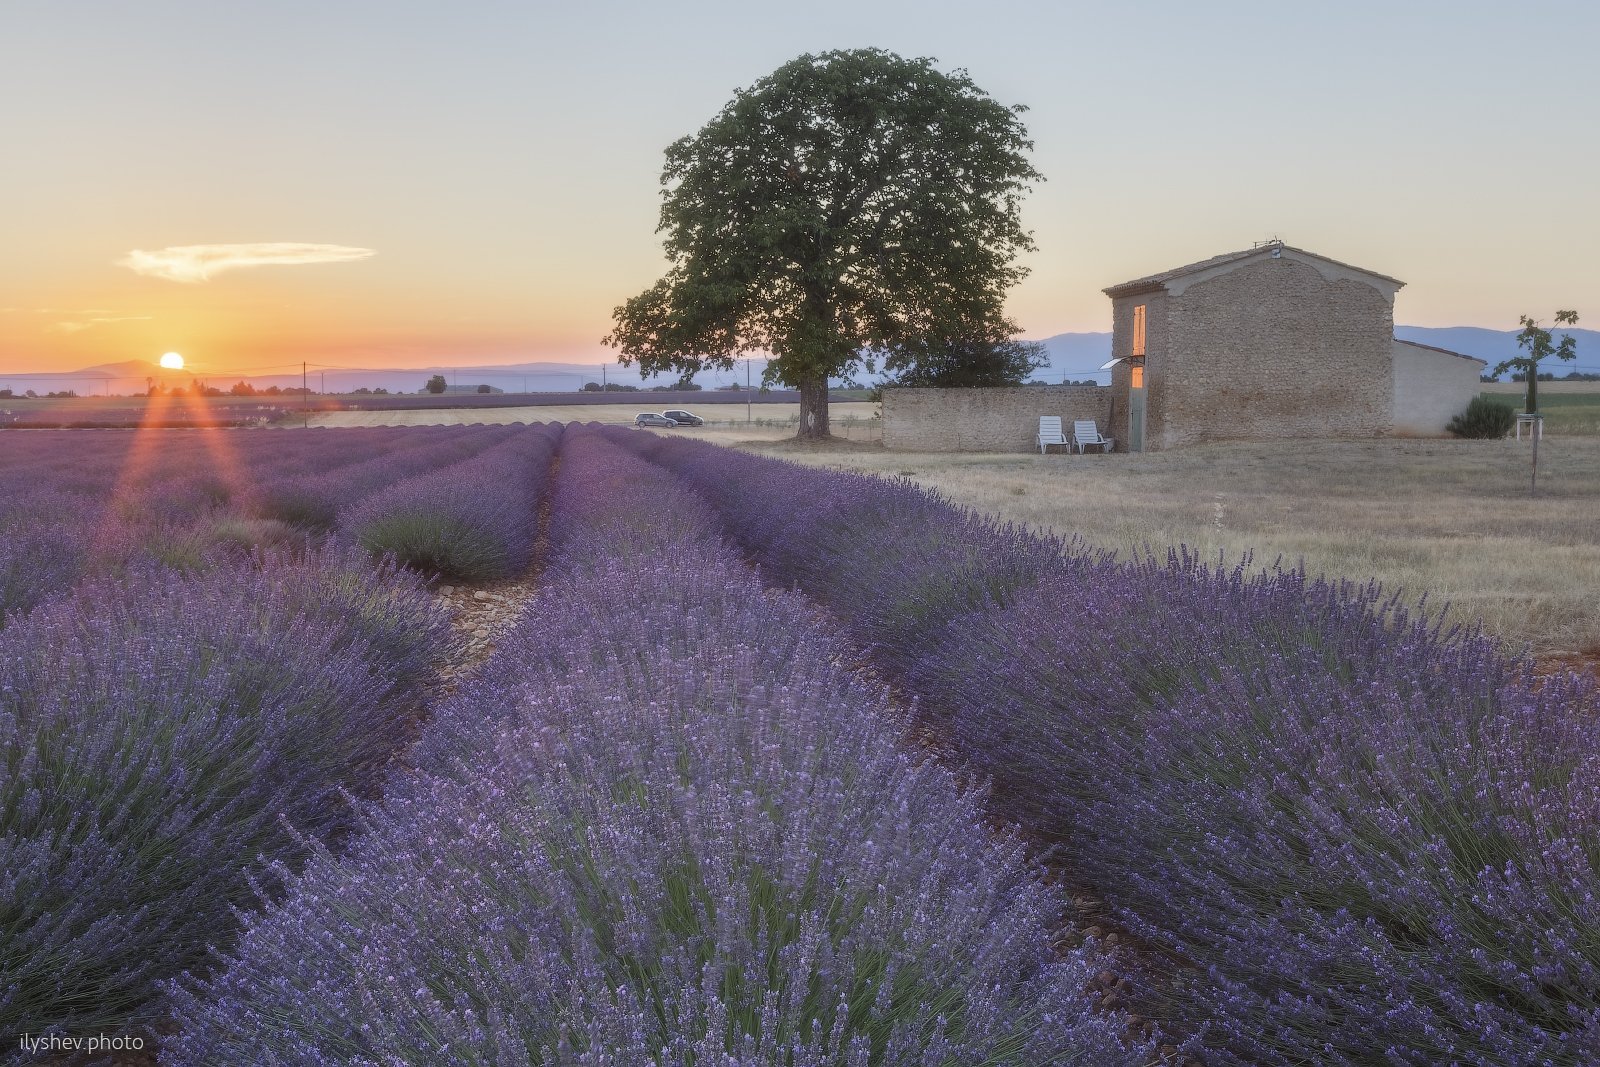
{"x": 312, "y": 500}
{"x": 1372, "y": 841}
{"x": 894, "y": 561}
{"x": 476, "y": 520}
{"x": 608, "y": 504}
{"x": 155, "y": 731}
{"x": 44, "y": 548}
{"x": 666, "y": 825}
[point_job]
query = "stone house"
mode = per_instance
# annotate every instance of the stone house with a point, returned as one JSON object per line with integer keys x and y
{"x": 1272, "y": 342}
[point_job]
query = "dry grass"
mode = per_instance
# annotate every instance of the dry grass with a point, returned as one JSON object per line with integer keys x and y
{"x": 725, "y": 423}
{"x": 1451, "y": 519}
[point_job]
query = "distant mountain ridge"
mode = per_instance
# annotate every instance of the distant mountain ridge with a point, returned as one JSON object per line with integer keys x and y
{"x": 1072, "y": 356}
{"x": 1496, "y": 345}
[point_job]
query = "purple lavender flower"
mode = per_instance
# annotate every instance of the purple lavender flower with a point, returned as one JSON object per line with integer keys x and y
{"x": 667, "y": 824}
{"x": 1371, "y": 840}
{"x": 157, "y": 731}
{"x": 475, "y": 520}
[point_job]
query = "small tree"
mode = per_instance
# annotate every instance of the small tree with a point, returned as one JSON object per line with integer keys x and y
{"x": 437, "y": 384}
{"x": 485, "y": 389}
{"x": 845, "y": 208}
{"x": 1539, "y": 344}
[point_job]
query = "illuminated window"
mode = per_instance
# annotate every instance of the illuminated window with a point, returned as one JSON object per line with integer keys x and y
{"x": 1138, "y": 331}
{"x": 1138, "y": 377}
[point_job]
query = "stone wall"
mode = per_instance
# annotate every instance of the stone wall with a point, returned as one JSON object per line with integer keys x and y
{"x": 986, "y": 420}
{"x": 1276, "y": 348}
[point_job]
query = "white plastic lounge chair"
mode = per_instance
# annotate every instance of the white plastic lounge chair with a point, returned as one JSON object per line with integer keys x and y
{"x": 1050, "y": 433}
{"x": 1086, "y": 433}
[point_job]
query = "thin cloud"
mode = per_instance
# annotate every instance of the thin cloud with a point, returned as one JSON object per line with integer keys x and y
{"x": 87, "y": 324}
{"x": 198, "y": 263}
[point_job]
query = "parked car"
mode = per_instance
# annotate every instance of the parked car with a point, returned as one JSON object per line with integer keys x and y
{"x": 650, "y": 418}
{"x": 685, "y": 418}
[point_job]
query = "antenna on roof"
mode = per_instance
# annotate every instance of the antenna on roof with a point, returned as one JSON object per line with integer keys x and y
{"x": 1269, "y": 242}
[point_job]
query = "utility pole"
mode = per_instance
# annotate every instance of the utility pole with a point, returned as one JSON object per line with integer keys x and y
{"x": 305, "y": 398}
{"x": 748, "y": 399}
{"x": 603, "y": 382}
{"x": 323, "y": 388}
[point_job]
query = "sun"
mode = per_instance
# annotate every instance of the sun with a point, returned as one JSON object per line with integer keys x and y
{"x": 172, "y": 361}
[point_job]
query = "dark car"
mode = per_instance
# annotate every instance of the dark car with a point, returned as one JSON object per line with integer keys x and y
{"x": 685, "y": 418}
{"x": 650, "y": 418}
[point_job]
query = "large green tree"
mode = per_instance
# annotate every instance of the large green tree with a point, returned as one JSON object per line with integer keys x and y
{"x": 849, "y": 207}
{"x": 967, "y": 362}
{"x": 1538, "y": 343}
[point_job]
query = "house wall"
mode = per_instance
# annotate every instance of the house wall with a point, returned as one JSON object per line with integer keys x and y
{"x": 1155, "y": 347}
{"x": 1275, "y": 348}
{"x": 1430, "y": 388}
{"x": 985, "y": 420}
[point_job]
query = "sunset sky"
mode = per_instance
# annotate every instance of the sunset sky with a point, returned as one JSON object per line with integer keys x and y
{"x": 407, "y": 184}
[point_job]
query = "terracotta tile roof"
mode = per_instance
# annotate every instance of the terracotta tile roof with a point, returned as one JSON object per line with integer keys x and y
{"x": 1152, "y": 282}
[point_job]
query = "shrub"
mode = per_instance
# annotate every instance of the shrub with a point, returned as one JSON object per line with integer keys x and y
{"x": 44, "y": 548}
{"x": 1484, "y": 418}
{"x": 476, "y": 520}
{"x": 312, "y": 500}
{"x": 154, "y": 733}
{"x": 608, "y": 504}
{"x": 665, "y": 827}
{"x": 1364, "y": 833}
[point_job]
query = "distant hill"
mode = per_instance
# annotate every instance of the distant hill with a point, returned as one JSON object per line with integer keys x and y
{"x": 1496, "y": 345}
{"x": 1075, "y": 356}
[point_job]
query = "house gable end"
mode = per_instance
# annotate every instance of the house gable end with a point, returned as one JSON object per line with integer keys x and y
{"x": 1175, "y": 281}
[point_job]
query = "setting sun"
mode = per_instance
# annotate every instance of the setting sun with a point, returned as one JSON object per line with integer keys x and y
{"x": 172, "y": 361}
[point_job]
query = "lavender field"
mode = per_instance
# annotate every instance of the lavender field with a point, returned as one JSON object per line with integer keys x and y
{"x": 777, "y": 765}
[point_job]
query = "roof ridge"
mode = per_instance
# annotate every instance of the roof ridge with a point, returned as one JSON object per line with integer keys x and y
{"x": 1161, "y": 278}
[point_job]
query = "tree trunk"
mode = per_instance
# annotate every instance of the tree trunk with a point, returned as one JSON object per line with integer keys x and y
{"x": 813, "y": 410}
{"x": 1533, "y": 389}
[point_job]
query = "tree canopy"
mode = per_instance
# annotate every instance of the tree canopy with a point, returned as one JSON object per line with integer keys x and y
{"x": 968, "y": 363}
{"x": 850, "y": 207}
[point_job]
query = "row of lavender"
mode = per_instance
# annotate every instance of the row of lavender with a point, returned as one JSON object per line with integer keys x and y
{"x": 78, "y": 504}
{"x": 666, "y": 826}
{"x": 156, "y": 729}
{"x": 72, "y": 506}
{"x": 1364, "y": 838}
{"x": 165, "y": 731}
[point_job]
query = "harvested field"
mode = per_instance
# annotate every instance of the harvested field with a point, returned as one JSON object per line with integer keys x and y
{"x": 725, "y": 423}
{"x": 1452, "y": 519}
